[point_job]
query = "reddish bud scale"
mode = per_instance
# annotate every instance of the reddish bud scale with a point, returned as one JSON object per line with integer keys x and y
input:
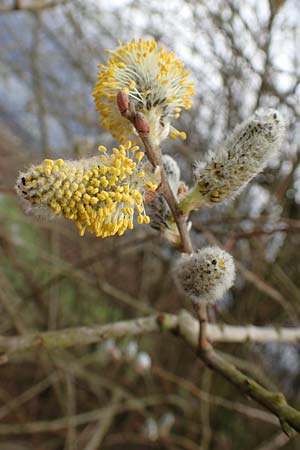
{"x": 149, "y": 195}
{"x": 123, "y": 102}
{"x": 141, "y": 124}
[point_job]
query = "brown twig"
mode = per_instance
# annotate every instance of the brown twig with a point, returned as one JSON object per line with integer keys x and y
{"x": 154, "y": 155}
{"x": 214, "y": 400}
{"x": 273, "y": 401}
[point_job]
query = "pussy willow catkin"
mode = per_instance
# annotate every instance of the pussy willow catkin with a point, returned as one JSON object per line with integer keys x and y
{"x": 204, "y": 276}
{"x": 101, "y": 194}
{"x": 154, "y": 80}
{"x": 230, "y": 168}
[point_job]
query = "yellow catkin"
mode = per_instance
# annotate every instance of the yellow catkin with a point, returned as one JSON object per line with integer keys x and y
{"x": 100, "y": 195}
{"x": 154, "y": 80}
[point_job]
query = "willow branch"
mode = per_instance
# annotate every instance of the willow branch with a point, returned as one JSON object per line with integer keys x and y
{"x": 75, "y": 337}
{"x": 139, "y": 121}
{"x": 47, "y": 426}
{"x": 80, "y": 336}
{"x": 273, "y": 401}
{"x": 186, "y": 327}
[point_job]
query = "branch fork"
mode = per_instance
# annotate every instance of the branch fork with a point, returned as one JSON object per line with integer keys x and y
{"x": 289, "y": 417}
{"x": 139, "y": 121}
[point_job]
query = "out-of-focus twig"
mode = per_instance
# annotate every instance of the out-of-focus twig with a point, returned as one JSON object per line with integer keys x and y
{"x": 36, "y": 6}
{"x": 206, "y": 434}
{"x": 37, "y": 85}
{"x": 102, "y": 427}
{"x": 259, "y": 283}
{"x": 241, "y": 408}
{"x": 278, "y": 441}
{"x": 273, "y": 401}
{"x": 47, "y": 426}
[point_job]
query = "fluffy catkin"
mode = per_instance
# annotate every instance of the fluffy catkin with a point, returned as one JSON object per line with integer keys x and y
{"x": 204, "y": 276}
{"x": 159, "y": 211}
{"x": 101, "y": 194}
{"x": 229, "y": 169}
{"x": 154, "y": 80}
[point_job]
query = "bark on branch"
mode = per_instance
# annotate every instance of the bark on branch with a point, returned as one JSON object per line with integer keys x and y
{"x": 187, "y": 328}
{"x": 273, "y": 401}
{"x": 75, "y": 337}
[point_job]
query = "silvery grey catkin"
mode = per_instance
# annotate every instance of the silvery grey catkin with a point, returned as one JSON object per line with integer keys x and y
{"x": 204, "y": 276}
{"x": 230, "y": 168}
{"x": 159, "y": 210}
{"x": 172, "y": 170}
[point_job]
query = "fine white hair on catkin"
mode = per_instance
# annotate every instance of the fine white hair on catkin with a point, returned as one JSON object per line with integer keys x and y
{"x": 172, "y": 170}
{"x": 204, "y": 276}
{"x": 244, "y": 154}
{"x": 159, "y": 210}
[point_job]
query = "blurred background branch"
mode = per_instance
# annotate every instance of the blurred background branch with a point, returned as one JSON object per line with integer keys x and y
{"x": 19, "y": 5}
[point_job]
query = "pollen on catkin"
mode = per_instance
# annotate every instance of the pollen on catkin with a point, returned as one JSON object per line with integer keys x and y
{"x": 101, "y": 194}
{"x": 154, "y": 80}
{"x": 244, "y": 154}
{"x": 204, "y": 276}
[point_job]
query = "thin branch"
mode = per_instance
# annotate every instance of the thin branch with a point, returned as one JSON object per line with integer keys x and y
{"x": 47, "y": 426}
{"x": 38, "y": 86}
{"x": 186, "y": 327}
{"x": 206, "y": 433}
{"x": 71, "y": 437}
{"x": 256, "y": 280}
{"x": 37, "y": 6}
{"x": 103, "y": 426}
{"x": 154, "y": 155}
{"x": 273, "y": 401}
{"x": 76, "y": 337}
{"x": 15, "y": 404}
{"x": 241, "y": 408}
{"x": 278, "y": 441}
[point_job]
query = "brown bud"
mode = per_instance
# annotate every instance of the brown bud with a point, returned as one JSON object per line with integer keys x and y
{"x": 149, "y": 195}
{"x": 122, "y": 102}
{"x": 182, "y": 188}
{"x": 141, "y": 124}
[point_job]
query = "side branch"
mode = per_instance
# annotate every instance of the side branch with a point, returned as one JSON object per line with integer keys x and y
{"x": 238, "y": 334}
{"x": 76, "y": 337}
{"x": 273, "y": 401}
{"x": 186, "y": 327}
